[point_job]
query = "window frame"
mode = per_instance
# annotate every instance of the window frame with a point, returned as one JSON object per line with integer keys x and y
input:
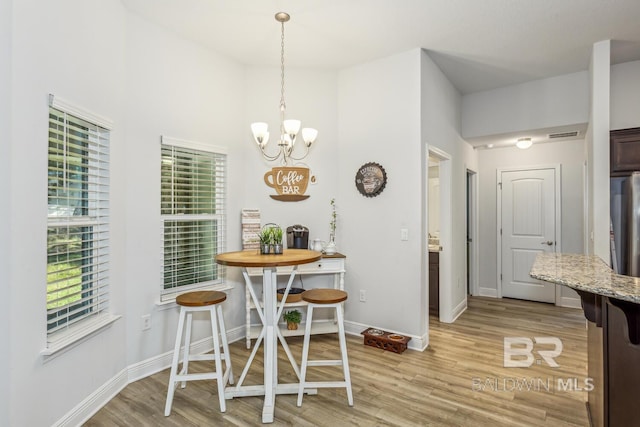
{"x": 168, "y": 295}
{"x": 92, "y": 309}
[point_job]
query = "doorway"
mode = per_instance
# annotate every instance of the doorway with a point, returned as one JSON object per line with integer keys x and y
{"x": 528, "y": 224}
{"x": 440, "y": 184}
{"x": 471, "y": 234}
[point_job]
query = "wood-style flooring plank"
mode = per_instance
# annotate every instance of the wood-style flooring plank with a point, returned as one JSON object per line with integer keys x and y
{"x": 458, "y": 381}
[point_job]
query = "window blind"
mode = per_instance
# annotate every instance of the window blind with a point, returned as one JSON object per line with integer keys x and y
{"x": 78, "y": 220}
{"x": 193, "y": 197}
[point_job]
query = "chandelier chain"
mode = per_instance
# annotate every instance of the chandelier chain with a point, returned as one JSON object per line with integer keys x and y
{"x": 282, "y": 103}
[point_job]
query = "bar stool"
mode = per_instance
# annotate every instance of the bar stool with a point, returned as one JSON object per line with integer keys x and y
{"x": 324, "y": 298}
{"x": 189, "y": 303}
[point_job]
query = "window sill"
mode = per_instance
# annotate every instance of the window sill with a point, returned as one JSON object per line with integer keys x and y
{"x": 77, "y": 334}
{"x": 170, "y": 302}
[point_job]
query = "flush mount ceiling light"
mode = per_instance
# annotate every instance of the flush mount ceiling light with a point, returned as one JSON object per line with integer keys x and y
{"x": 524, "y": 143}
{"x": 288, "y": 128}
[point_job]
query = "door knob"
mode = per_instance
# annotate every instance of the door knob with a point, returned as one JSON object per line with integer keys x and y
{"x": 548, "y": 243}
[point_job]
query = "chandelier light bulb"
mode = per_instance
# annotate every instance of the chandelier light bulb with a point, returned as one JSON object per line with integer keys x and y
{"x": 309, "y": 136}
{"x": 291, "y": 127}
{"x": 260, "y": 132}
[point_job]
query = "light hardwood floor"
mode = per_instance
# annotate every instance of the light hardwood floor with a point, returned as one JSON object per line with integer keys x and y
{"x": 458, "y": 381}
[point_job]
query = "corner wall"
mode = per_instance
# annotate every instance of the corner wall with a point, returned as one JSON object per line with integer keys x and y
{"x": 597, "y": 144}
{"x": 441, "y": 112}
{"x": 625, "y": 95}
{"x": 5, "y": 211}
{"x": 48, "y": 39}
{"x": 379, "y": 121}
{"x": 178, "y": 89}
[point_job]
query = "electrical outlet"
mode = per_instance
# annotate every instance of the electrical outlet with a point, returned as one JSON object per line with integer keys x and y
{"x": 146, "y": 322}
{"x": 363, "y": 295}
{"x": 404, "y": 234}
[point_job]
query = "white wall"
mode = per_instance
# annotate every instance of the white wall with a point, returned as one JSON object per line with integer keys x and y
{"x": 5, "y": 212}
{"x": 570, "y": 155}
{"x": 379, "y": 121}
{"x": 597, "y": 143}
{"x": 48, "y": 39}
{"x": 311, "y": 96}
{"x": 441, "y": 109}
{"x": 556, "y": 101}
{"x": 178, "y": 89}
{"x": 625, "y": 95}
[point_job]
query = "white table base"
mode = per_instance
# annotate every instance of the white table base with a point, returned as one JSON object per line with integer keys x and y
{"x": 270, "y": 334}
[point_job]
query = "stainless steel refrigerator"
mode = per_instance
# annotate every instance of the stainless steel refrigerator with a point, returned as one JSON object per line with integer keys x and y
{"x": 633, "y": 224}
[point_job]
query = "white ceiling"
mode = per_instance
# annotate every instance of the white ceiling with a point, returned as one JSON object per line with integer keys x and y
{"x": 479, "y": 44}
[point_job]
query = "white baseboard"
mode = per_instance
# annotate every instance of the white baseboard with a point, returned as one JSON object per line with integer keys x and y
{"x": 488, "y": 292}
{"x": 459, "y": 309}
{"x": 570, "y": 302}
{"x": 96, "y": 400}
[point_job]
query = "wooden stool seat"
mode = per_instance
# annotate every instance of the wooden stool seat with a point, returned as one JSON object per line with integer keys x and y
{"x": 200, "y": 298}
{"x": 189, "y": 303}
{"x": 324, "y": 296}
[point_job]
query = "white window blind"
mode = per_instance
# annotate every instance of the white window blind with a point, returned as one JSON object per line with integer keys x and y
{"x": 78, "y": 220}
{"x": 193, "y": 198}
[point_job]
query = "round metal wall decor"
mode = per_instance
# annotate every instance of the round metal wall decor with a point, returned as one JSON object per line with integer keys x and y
{"x": 371, "y": 179}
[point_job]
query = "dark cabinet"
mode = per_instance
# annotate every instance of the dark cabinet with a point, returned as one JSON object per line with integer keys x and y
{"x": 613, "y": 334}
{"x": 434, "y": 283}
{"x": 624, "y": 151}
{"x": 621, "y": 363}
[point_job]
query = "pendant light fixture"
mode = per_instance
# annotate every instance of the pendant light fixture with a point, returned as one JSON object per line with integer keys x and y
{"x": 289, "y": 129}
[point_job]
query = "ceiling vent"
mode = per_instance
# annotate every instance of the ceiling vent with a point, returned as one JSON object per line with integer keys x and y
{"x": 563, "y": 135}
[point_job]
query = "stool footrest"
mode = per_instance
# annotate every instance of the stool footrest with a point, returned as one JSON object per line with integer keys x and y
{"x": 326, "y": 384}
{"x": 204, "y": 357}
{"x": 324, "y": 362}
{"x": 196, "y": 377}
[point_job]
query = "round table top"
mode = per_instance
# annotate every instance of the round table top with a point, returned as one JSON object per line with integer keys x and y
{"x": 252, "y": 258}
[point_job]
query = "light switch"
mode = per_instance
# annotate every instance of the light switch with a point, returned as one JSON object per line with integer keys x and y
{"x": 404, "y": 234}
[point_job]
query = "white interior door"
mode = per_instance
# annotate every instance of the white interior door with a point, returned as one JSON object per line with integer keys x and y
{"x": 528, "y": 216}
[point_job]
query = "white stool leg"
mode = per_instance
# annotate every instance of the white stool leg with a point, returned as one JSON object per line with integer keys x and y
{"x": 225, "y": 344}
{"x": 187, "y": 347}
{"x": 343, "y": 350}
{"x": 305, "y": 353}
{"x": 217, "y": 359}
{"x": 174, "y": 364}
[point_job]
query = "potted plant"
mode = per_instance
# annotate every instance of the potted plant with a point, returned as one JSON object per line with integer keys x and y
{"x": 276, "y": 240}
{"x": 293, "y": 318}
{"x": 265, "y": 240}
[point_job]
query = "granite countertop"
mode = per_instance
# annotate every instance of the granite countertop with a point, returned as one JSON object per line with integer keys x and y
{"x": 585, "y": 273}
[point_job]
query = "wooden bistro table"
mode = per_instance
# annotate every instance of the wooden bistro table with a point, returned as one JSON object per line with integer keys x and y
{"x": 269, "y": 316}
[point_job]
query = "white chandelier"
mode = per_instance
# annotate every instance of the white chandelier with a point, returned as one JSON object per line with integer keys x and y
{"x": 289, "y": 129}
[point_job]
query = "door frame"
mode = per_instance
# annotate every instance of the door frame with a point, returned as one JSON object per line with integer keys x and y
{"x": 472, "y": 221}
{"x": 446, "y": 311}
{"x": 557, "y": 167}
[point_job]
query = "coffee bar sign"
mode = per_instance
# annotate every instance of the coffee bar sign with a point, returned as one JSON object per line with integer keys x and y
{"x": 290, "y": 182}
